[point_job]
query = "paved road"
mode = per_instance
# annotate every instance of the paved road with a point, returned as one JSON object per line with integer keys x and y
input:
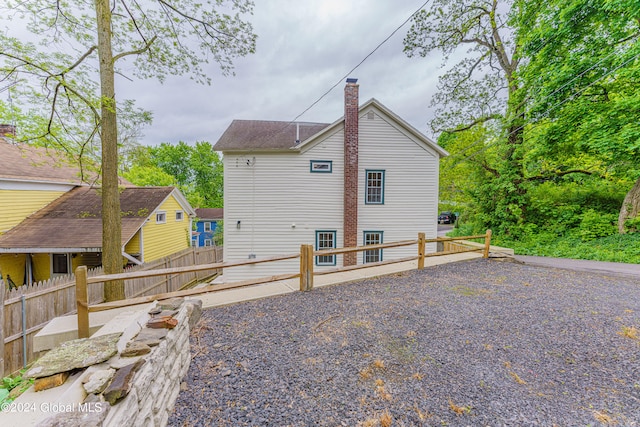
{"x": 617, "y": 268}
{"x": 443, "y": 229}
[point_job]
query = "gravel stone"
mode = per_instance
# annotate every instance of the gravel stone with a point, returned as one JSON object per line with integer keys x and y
{"x": 467, "y": 344}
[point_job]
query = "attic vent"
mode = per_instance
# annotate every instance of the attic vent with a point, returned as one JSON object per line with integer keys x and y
{"x": 370, "y": 115}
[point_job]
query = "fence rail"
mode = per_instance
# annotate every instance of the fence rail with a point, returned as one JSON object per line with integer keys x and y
{"x": 26, "y": 310}
{"x": 305, "y": 275}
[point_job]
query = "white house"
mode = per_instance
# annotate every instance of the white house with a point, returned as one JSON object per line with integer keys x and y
{"x": 367, "y": 178}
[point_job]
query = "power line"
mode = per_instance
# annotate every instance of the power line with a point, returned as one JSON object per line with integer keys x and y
{"x": 362, "y": 62}
{"x": 568, "y": 98}
{"x": 313, "y": 104}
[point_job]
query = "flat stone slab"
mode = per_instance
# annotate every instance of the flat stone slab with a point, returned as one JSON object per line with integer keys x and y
{"x": 135, "y": 348}
{"x": 98, "y": 381}
{"x": 171, "y": 304}
{"x": 75, "y": 354}
{"x": 121, "y": 383}
{"x": 151, "y": 337}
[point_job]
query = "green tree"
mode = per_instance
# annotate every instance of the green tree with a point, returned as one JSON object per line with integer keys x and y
{"x": 147, "y": 176}
{"x": 582, "y": 80}
{"x": 81, "y": 40}
{"x": 481, "y": 89}
{"x": 196, "y": 169}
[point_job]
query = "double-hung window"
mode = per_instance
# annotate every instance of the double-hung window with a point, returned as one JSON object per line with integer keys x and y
{"x": 161, "y": 217}
{"x": 374, "y": 188}
{"x": 325, "y": 240}
{"x": 372, "y": 238}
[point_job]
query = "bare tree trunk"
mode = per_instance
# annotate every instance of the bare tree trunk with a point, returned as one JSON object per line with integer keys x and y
{"x": 630, "y": 207}
{"x": 111, "y": 222}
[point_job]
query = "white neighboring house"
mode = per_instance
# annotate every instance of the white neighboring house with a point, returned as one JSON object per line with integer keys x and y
{"x": 367, "y": 178}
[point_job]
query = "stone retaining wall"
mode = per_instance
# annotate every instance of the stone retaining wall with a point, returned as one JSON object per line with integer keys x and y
{"x": 149, "y": 382}
{"x": 156, "y": 385}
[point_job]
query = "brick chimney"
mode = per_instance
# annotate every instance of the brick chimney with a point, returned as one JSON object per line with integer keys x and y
{"x": 350, "y": 170}
{"x": 8, "y": 131}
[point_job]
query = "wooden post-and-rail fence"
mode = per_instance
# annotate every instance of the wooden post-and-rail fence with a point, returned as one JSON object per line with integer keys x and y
{"x": 28, "y": 309}
{"x": 306, "y": 274}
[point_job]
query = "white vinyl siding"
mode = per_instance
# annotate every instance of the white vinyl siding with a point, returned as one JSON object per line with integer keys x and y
{"x": 280, "y": 204}
{"x": 410, "y": 184}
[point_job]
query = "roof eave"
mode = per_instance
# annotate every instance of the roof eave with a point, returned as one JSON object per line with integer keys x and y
{"x": 32, "y": 250}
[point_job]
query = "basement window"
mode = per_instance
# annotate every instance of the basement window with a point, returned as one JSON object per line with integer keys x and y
{"x": 161, "y": 217}
{"x": 372, "y": 238}
{"x": 325, "y": 240}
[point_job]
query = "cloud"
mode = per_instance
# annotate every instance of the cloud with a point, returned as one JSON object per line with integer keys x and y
{"x": 303, "y": 49}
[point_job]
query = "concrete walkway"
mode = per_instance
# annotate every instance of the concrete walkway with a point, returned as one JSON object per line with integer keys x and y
{"x": 281, "y": 287}
{"x": 66, "y": 327}
{"x": 611, "y": 268}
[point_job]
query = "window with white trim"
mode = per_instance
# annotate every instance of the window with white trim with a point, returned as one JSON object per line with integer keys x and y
{"x": 179, "y": 215}
{"x": 372, "y": 238}
{"x": 208, "y": 242}
{"x": 207, "y": 226}
{"x": 325, "y": 240}
{"x": 161, "y": 217}
{"x": 374, "y": 187}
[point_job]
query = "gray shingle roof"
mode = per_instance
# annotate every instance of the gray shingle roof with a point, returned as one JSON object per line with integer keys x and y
{"x": 244, "y": 135}
{"x": 24, "y": 162}
{"x": 74, "y": 220}
{"x": 210, "y": 213}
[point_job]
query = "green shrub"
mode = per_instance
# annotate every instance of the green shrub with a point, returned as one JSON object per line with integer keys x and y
{"x": 596, "y": 224}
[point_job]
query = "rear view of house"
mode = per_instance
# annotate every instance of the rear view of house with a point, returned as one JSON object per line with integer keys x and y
{"x": 367, "y": 178}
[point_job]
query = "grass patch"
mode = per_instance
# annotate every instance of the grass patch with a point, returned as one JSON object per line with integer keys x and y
{"x": 458, "y": 410}
{"x": 616, "y": 248}
{"x": 629, "y": 332}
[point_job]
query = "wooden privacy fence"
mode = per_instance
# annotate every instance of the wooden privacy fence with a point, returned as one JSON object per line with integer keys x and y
{"x": 29, "y": 308}
{"x": 306, "y": 274}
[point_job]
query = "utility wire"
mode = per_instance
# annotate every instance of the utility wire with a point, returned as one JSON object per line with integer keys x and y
{"x": 572, "y": 96}
{"x": 362, "y": 62}
{"x": 285, "y": 125}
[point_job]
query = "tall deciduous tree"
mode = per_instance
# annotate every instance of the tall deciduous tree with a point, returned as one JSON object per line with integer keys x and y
{"x": 83, "y": 44}
{"x": 481, "y": 89}
{"x": 583, "y": 78}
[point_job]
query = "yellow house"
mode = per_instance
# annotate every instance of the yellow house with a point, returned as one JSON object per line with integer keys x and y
{"x": 30, "y": 179}
{"x": 156, "y": 222}
{"x": 51, "y": 221}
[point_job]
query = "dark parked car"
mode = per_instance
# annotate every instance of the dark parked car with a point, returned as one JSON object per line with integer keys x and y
{"x": 447, "y": 217}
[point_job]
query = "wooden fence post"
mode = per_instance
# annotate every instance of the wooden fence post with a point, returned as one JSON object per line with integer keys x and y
{"x": 306, "y": 267}
{"x": 487, "y": 244}
{"x": 421, "y": 250}
{"x": 82, "y": 301}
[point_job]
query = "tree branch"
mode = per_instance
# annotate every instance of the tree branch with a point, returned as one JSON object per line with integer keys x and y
{"x": 136, "y": 52}
{"x": 477, "y": 121}
{"x": 557, "y": 174}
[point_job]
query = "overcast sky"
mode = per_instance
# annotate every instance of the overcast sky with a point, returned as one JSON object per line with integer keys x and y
{"x": 303, "y": 49}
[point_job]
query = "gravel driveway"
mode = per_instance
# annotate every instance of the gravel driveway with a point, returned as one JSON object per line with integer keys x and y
{"x": 477, "y": 343}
